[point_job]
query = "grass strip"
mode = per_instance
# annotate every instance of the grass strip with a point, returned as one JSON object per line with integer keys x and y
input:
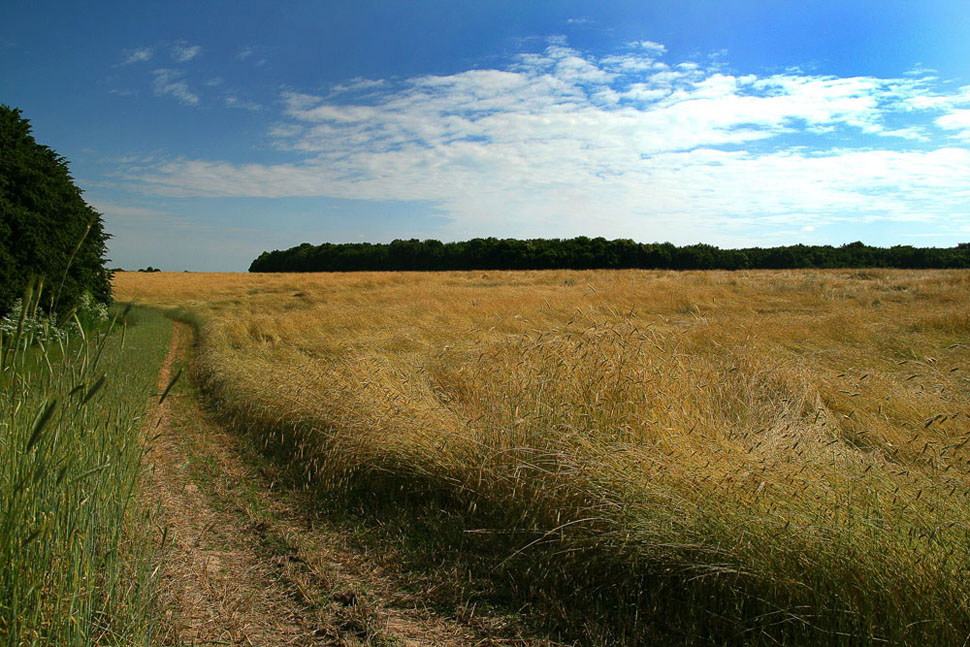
{"x": 75, "y": 566}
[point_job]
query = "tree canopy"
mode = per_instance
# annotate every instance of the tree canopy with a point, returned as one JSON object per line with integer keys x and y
{"x": 46, "y": 228}
{"x": 595, "y": 253}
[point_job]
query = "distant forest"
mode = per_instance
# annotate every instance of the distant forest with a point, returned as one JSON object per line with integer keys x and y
{"x": 595, "y": 253}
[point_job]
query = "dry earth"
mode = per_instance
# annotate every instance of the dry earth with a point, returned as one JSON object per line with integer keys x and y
{"x": 241, "y": 564}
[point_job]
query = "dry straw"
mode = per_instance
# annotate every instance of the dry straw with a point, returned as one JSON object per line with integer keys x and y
{"x": 746, "y": 457}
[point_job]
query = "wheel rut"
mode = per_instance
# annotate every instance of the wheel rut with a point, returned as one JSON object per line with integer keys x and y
{"x": 240, "y": 563}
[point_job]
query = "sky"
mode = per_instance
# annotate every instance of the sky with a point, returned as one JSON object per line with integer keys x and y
{"x": 208, "y": 132}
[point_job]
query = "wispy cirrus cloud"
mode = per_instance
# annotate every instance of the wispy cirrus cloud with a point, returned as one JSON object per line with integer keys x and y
{"x": 138, "y": 55}
{"x": 233, "y": 101}
{"x": 358, "y": 85}
{"x": 170, "y": 82}
{"x": 251, "y": 55}
{"x": 645, "y": 147}
{"x": 182, "y": 52}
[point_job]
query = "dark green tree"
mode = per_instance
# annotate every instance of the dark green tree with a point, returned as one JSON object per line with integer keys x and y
{"x": 594, "y": 253}
{"x": 46, "y": 228}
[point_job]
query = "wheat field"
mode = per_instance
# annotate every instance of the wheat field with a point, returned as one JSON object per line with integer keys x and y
{"x": 739, "y": 458}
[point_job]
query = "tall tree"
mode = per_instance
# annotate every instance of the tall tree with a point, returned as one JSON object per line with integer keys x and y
{"x": 46, "y": 228}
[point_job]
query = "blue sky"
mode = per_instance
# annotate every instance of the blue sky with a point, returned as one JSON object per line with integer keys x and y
{"x": 209, "y": 132}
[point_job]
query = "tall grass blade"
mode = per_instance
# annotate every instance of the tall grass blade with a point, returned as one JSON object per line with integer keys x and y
{"x": 56, "y": 299}
{"x": 41, "y": 423}
{"x": 94, "y": 389}
{"x": 171, "y": 385}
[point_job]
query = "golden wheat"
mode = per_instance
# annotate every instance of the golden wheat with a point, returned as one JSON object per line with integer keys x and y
{"x": 779, "y": 455}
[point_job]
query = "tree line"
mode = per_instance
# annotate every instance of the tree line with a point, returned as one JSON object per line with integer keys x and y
{"x": 583, "y": 253}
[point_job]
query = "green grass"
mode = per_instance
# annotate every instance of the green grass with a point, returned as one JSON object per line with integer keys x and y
{"x": 75, "y": 565}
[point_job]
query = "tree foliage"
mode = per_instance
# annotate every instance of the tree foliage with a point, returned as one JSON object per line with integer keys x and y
{"x": 595, "y": 253}
{"x": 46, "y": 228}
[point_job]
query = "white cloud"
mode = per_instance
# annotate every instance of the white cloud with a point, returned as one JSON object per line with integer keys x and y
{"x": 170, "y": 82}
{"x": 242, "y": 104}
{"x": 561, "y": 140}
{"x": 124, "y": 211}
{"x": 655, "y": 49}
{"x": 138, "y": 55}
{"x": 182, "y": 52}
{"x": 285, "y": 131}
{"x": 958, "y": 120}
{"x": 358, "y": 85}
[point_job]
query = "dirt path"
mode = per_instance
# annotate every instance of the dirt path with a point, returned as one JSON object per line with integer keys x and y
{"x": 241, "y": 565}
